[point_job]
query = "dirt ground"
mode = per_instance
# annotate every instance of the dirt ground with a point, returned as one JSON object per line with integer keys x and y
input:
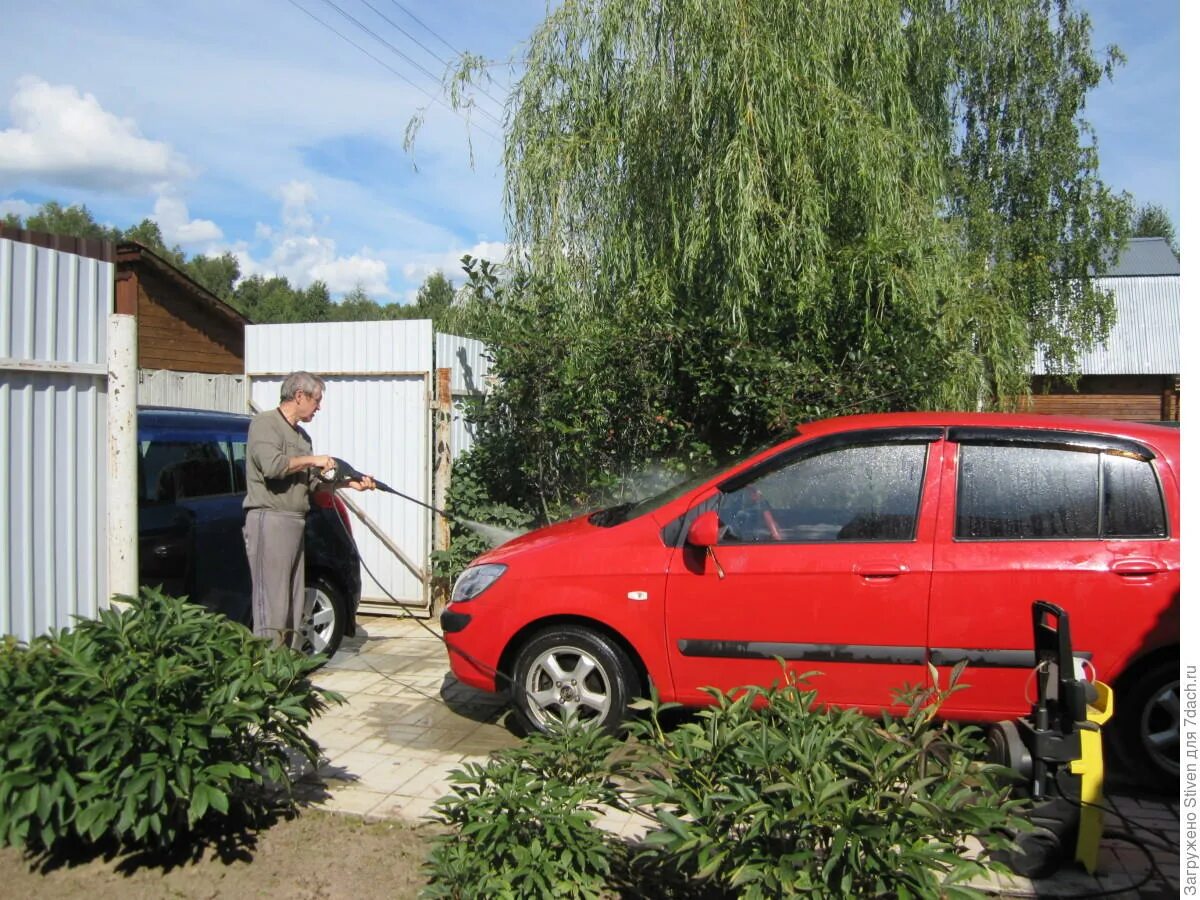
{"x": 314, "y": 856}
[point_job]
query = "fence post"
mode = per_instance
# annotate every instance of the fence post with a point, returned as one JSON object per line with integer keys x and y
{"x": 442, "y": 459}
{"x": 122, "y": 456}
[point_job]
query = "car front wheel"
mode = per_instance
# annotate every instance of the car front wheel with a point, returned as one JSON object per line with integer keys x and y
{"x": 325, "y": 621}
{"x": 572, "y": 673}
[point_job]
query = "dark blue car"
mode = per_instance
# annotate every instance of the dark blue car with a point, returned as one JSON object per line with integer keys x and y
{"x": 191, "y": 484}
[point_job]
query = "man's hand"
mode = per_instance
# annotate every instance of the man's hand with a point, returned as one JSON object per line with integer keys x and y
{"x": 324, "y": 463}
{"x": 367, "y": 484}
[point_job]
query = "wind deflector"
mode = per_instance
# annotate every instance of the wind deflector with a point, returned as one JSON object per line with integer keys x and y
{"x": 1044, "y": 437}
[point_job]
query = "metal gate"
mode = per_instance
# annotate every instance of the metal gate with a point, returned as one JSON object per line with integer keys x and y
{"x": 376, "y": 415}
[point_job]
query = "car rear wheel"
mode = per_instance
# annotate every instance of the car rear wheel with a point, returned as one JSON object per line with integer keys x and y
{"x": 326, "y": 622}
{"x": 572, "y": 673}
{"x": 1147, "y": 720}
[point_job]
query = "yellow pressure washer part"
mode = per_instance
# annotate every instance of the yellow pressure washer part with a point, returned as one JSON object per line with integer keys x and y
{"x": 1090, "y": 769}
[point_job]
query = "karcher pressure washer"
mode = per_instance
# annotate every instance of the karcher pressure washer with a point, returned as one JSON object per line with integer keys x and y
{"x": 1057, "y": 754}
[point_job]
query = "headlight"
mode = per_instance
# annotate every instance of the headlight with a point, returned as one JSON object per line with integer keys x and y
{"x": 474, "y": 581}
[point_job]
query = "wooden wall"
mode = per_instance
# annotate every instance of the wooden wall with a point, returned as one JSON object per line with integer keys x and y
{"x": 178, "y": 327}
{"x": 1145, "y": 398}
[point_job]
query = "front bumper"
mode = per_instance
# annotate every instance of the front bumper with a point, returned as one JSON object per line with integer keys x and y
{"x": 463, "y": 662}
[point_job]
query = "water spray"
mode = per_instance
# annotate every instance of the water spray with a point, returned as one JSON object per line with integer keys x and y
{"x": 342, "y": 472}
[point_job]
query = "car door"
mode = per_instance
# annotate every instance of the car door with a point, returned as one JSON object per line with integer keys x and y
{"x": 1075, "y": 519}
{"x": 823, "y": 559}
{"x": 190, "y": 496}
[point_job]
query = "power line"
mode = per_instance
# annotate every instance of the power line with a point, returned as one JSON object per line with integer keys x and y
{"x": 400, "y": 53}
{"x": 398, "y": 74}
{"x": 404, "y": 9}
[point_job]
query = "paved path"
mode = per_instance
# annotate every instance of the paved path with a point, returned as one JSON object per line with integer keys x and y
{"x": 408, "y": 723}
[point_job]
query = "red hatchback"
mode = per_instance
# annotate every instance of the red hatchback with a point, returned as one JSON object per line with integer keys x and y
{"x": 864, "y": 548}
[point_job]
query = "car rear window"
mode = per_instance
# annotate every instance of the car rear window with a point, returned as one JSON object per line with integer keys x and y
{"x": 1015, "y": 492}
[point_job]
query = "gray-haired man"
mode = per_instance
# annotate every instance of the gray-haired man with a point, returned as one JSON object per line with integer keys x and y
{"x": 281, "y": 471}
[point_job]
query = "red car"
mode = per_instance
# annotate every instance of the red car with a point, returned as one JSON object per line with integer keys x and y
{"x": 864, "y": 548}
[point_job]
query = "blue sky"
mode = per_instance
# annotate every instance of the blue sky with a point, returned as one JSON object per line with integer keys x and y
{"x": 248, "y": 126}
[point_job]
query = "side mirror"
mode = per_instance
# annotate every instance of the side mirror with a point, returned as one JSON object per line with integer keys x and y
{"x": 703, "y": 532}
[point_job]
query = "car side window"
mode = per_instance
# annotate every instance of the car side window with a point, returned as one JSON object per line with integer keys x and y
{"x": 1014, "y": 492}
{"x": 1132, "y": 501}
{"x": 172, "y": 470}
{"x": 859, "y": 493}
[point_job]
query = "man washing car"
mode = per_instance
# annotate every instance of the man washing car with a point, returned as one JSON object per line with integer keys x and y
{"x": 281, "y": 472}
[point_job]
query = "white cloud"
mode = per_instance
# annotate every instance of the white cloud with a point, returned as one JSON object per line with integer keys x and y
{"x": 172, "y": 216}
{"x": 347, "y": 272}
{"x": 65, "y": 137}
{"x": 20, "y": 207}
{"x": 297, "y": 195}
{"x": 449, "y": 262}
{"x": 303, "y": 256}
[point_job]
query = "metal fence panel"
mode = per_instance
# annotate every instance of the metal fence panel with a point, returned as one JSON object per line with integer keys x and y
{"x": 54, "y": 308}
{"x": 192, "y": 390}
{"x": 376, "y": 416}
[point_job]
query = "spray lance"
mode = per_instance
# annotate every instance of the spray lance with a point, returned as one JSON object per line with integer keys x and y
{"x": 342, "y": 472}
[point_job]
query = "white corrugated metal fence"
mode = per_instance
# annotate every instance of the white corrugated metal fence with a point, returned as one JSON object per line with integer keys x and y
{"x": 54, "y": 309}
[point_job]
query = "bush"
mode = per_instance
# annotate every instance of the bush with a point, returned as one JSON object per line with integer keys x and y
{"x": 761, "y": 795}
{"x": 764, "y": 796}
{"x": 146, "y": 723}
{"x": 524, "y": 824}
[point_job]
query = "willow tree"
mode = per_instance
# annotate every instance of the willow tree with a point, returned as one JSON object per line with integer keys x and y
{"x": 735, "y": 213}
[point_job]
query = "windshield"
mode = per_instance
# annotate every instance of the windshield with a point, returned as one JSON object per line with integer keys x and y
{"x": 624, "y": 512}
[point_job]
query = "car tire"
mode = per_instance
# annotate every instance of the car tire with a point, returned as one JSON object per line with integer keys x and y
{"x": 1147, "y": 718}
{"x": 324, "y": 626}
{"x": 572, "y": 671}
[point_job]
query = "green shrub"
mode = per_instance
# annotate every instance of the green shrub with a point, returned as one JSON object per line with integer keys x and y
{"x": 523, "y": 824}
{"x": 147, "y": 723}
{"x": 764, "y": 796}
{"x": 761, "y": 795}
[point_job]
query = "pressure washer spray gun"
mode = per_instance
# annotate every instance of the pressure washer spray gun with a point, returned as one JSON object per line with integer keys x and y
{"x": 342, "y": 473}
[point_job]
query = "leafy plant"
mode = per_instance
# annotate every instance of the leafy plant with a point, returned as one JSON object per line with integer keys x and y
{"x": 761, "y": 795}
{"x": 523, "y": 825}
{"x": 764, "y": 795}
{"x": 147, "y": 723}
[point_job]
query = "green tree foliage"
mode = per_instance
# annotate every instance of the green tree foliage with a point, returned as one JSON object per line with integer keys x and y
{"x": 218, "y": 274}
{"x": 69, "y": 221}
{"x": 435, "y": 296}
{"x": 1023, "y": 172}
{"x": 734, "y": 215}
{"x": 270, "y": 300}
{"x": 1154, "y": 221}
{"x": 149, "y": 235}
{"x": 77, "y": 221}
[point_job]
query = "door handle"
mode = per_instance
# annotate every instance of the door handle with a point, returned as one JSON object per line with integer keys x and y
{"x": 162, "y": 551}
{"x": 1132, "y": 568}
{"x": 879, "y": 569}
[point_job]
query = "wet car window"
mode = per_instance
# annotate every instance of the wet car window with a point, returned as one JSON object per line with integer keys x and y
{"x": 861, "y": 493}
{"x": 1027, "y": 493}
{"x": 1133, "y": 504}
